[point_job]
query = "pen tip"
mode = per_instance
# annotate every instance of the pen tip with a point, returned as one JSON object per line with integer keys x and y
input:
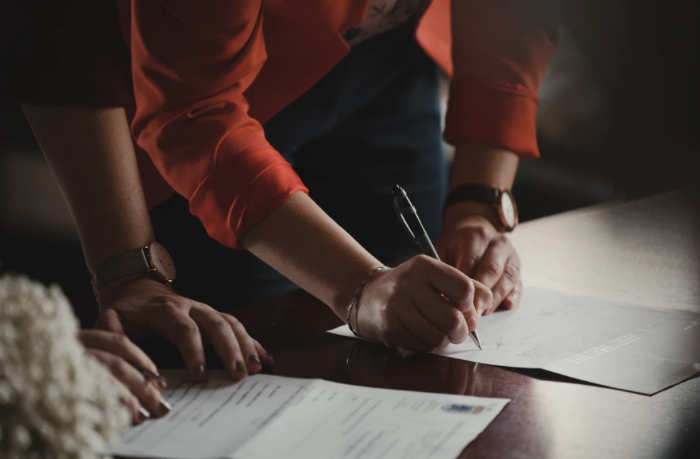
{"x": 475, "y": 338}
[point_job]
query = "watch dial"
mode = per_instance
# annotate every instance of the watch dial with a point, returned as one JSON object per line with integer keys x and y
{"x": 507, "y": 210}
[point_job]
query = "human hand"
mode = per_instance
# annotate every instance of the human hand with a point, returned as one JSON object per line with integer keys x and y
{"x": 422, "y": 304}
{"x": 142, "y": 307}
{"x": 123, "y": 358}
{"x": 472, "y": 244}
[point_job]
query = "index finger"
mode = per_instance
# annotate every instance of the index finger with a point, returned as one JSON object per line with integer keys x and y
{"x": 117, "y": 344}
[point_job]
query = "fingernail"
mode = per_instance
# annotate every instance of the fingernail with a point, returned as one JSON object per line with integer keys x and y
{"x": 144, "y": 413}
{"x": 240, "y": 368}
{"x": 200, "y": 373}
{"x": 162, "y": 382}
{"x": 165, "y": 406}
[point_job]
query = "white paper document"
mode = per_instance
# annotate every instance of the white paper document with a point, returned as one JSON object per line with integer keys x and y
{"x": 266, "y": 416}
{"x": 591, "y": 339}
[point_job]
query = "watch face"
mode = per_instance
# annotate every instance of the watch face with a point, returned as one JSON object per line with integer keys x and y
{"x": 507, "y": 211}
{"x": 161, "y": 261}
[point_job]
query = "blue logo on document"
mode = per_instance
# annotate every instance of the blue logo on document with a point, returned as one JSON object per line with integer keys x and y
{"x": 460, "y": 408}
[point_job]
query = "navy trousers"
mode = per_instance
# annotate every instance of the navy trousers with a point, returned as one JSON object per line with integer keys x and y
{"x": 371, "y": 122}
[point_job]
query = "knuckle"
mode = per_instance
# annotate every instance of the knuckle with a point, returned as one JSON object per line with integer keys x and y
{"x": 502, "y": 239}
{"x": 465, "y": 289}
{"x": 237, "y": 324}
{"x": 480, "y": 232}
{"x": 471, "y": 259}
{"x": 119, "y": 368}
{"x": 219, "y": 325}
{"x": 166, "y": 305}
{"x": 230, "y": 318}
{"x": 511, "y": 272}
{"x": 422, "y": 260}
{"x": 185, "y": 325}
{"x": 490, "y": 268}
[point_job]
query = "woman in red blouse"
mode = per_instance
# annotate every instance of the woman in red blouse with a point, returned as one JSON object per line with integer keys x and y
{"x": 210, "y": 83}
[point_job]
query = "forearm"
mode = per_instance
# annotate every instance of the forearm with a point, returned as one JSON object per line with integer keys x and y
{"x": 304, "y": 244}
{"x": 92, "y": 155}
{"x": 482, "y": 164}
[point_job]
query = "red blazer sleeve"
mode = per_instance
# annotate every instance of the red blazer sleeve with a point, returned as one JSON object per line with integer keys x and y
{"x": 190, "y": 66}
{"x": 500, "y": 51}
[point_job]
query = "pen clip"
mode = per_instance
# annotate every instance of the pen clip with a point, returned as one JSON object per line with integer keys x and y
{"x": 407, "y": 226}
{"x": 404, "y": 207}
{"x": 400, "y": 194}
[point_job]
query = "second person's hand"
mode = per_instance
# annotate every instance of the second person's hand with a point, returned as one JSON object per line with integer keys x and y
{"x": 472, "y": 244}
{"x": 144, "y": 307}
{"x": 126, "y": 362}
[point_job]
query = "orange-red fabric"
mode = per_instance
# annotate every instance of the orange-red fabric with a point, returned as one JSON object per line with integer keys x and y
{"x": 206, "y": 77}
{"x": 500, "y": 53}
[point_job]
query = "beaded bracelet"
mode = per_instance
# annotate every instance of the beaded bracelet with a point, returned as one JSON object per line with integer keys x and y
{"x": 353, "y": 305}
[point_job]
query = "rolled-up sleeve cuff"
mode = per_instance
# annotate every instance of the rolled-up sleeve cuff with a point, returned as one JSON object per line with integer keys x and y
{"x": 493, "y": 114}
{"x": 228, "y": 210}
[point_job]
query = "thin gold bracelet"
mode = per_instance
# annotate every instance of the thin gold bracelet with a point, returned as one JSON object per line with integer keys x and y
{"x": 353, "y": 306}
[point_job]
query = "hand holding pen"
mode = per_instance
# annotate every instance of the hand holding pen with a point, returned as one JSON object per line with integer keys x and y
{"x": 405, "y": 307}
{"x": 411, "y": 222}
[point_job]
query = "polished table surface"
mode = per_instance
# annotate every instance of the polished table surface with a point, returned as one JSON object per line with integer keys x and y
{"x": 647, "y": 251}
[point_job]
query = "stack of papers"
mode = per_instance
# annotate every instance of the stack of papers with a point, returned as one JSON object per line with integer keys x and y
{"x": 612, "y": 344}
{"x": 266, "y": 416}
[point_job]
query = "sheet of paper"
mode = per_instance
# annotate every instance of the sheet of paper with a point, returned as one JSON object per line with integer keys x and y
{"x": 612, "y": 344}
{"x": 210, "y": 420}
{"x": 332, "y": 420}
{"x": 267, "y": 416}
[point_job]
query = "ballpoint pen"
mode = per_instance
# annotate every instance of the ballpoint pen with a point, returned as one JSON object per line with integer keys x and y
{"x": 409, "y": 217}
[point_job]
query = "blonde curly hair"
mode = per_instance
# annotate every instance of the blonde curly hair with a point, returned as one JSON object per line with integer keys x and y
{"x": 55, "y": 400}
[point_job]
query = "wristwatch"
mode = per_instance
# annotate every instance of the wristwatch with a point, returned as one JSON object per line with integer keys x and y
{"x": 502, "y": 202}
{"x": 151, "y": 261}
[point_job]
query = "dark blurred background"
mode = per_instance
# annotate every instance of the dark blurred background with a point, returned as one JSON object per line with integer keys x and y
{"x": 618, "y": 120}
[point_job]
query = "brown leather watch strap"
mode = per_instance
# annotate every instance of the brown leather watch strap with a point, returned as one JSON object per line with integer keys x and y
{"x": 127, "y": 264}
{"x": 150, "y": 260}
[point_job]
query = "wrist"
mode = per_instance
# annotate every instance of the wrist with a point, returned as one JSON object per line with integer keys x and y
{"x": 111, "y": 293}
{"x": 151, "y": 261}
{"x": 353, "y": 307}
{"x": 495, "y": 204}
{"x": 347, "y": 289}
{"x": 470, "y": 212}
